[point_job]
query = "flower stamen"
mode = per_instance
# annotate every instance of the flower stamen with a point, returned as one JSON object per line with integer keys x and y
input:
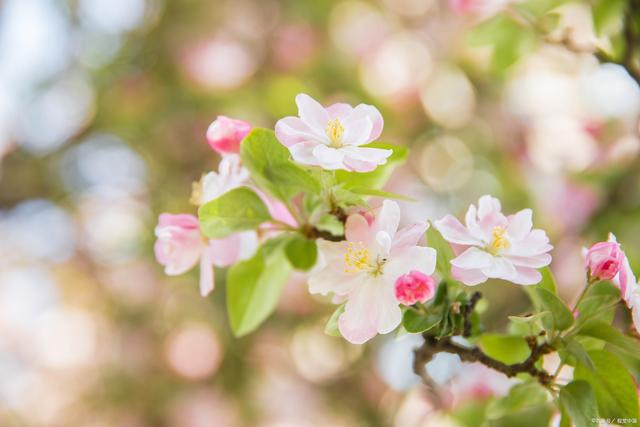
{"x": 334, "y": 131}
{"x": 499, "y": 241}
{"x": 356, "y": 258}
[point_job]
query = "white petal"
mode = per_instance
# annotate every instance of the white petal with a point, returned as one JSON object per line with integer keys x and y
{"x": 488, "y": 205}
{"x": 454, "y": 232}
{"x": 470, "y": 277}
{"x": 312, "y": 113}
{"x": 357, "y": 229}
{"x": 526, "y": 276}
{"x": 329, "y": 275}
{"x": 500, "y": 268}
{"x": 473, "y": 258}
{"x": 388, "y": 218}
{"x": 356, "y": 132}
{"x": 364, "y": 159}
{"x": 384, "y": 243}
{"x": 292, "y": 130}
{"x": 339, "y": 111}
{"x": 418, "y": 258}
{"x": 535, "y": 261}
{"x": 358, "y": 323}
{"x": 206, "y": 275}
{"x": 371, "y": 113}
{"x": 327, "y": 157}
{"x": 409, "y": 236}
{"x": 302, "y": 152}
{"x": 520, "y": 224}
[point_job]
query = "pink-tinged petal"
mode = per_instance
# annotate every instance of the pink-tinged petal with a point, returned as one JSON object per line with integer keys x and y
{"x": 364, "y": 159}
{"x": 327, "y": 157}
{"x": 206, "y": 275}
{"x": 225, "y": 134}
{"x": 534, "y": 243}
{"x": 389, "y": 312}
{"x": 419, "y": 258}
{"x": 409, "y": 236}
{"x": 356, "y": 132}
{"x": 520, "y": 224}
{"x": 635, "y": 316}
{"x": 471, "y": 277}
{"x": 179, "y": 244}
{"x": 339, "y": 111}
{"x": 312, "y": 113}
{"x": 526, "y": 276}
{"x": 535, "y": 261}
{"x": 302, "y": 152}
{"x": 359, "y": 322}
{"x": 625, "y": 280}
{"x": 454, "y": 232}
{"x": 388, "y": 218}
{"x": 357, "y": 229}
{"x": 488, "y": 205}
{"x": 277, "y": 209}
{"x": 383, "y": 241}
{"x": 473, "y": 258}
{"x": 292, "y": 130}
{"x": 231, "y": 249}
{"x": 500, "y": 268}
{"x": 370, "y": 112}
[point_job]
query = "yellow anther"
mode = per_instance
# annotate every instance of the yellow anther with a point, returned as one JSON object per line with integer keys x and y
{"x": 499, "y": 241}
{"x": 196, "y": 193}
{"x": 334, "y": 131}
{"x": 356, "y": 258}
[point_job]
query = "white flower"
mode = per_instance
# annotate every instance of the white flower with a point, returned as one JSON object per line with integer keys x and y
{"x": 231, "y": 174}
{"x": 363, "y": 270}
{"x": 496, "y": 246}
{"x": 332, "y": 137}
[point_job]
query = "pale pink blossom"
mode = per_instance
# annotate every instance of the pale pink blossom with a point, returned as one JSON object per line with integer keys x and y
{"x": 332, "y": 137}
{"x": 495, "y": 246}
{"x": 414, "y": 287}
{"x": 604, "y": 259}
{"x": 180, "y": 246}
{"x": 231, "y": 174}
{"x": 363, "y": 270}
{"x": 225, "y": 134}
{"x": 625, "y": 280}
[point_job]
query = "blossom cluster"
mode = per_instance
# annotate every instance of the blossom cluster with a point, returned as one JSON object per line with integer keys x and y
{"x": 378, "y": 267}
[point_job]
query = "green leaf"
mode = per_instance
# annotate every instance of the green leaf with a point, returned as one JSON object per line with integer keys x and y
{"x": 560, "y": 317}
{"x": 548, "y": 282}
{"x": 254, "y": 286}
{"x": 578, "y": 400}
{"x": 574, "y": 348}
{"x": 330, "y": 224}
{"x": 531, "y": 319}
{"x": 444, "y": 251}
{"x": 331, "y": 328}
{"x": 378, "y": 177}
{"x": 607, "y": 333}
{"x": 508, "y": 349}
{"x": 268, "y": 162}
{"x": 612, "y": 385}
{"x": 301, "y": 252}
{"x": 346, "y": 198}
{"x": 380, "y": 193}
{"x": 607, "y": 15}
{"x": 415, "y": 322}
{"x": 236, "y": 210}
{"x": 520, "y": 398}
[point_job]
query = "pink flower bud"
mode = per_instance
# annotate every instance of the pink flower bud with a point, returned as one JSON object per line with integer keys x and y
{"x": 225, "y": 135}
{"x": 414, "y": 287}
{"x": 604, "y": 260}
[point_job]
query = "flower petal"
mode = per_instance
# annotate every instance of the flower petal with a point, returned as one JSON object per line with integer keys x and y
{"x": 327, "y": 157}
{"x": 388, "y": 218}
{"x": 520, "y": 224}
{"x": 454, "y": 232}
{"x": 500, "y": 268}
{"x": 206, "y": 275}
{"x": 359, "y": 322}
{"x": 469, "y": 277}
{"x": 419, "y": 258}
{"x": 312, "y": 113}
{"x": 526, "y": 276}
{"x": 292, "y": 130}
{"x": 329, "y": 275}
{"x": 365, "y": 159}
{"x": 409, "y": 236}
{"x": 374, "y": 116}
{"x": 473, "y": 258}
{"x": 357, "y": 230}
{"x": 534, "y": 261}
{"x": 302, "y": 152}
{"x": 339, "y": 111}
{"x": 356, "y": 132}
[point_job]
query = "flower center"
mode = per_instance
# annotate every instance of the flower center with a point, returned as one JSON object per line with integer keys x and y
{"x": 334, "y": 131}
{"x": 357, "y": 258}
{"x": 499, "y": 241}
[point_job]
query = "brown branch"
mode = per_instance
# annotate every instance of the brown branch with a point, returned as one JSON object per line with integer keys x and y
{"x": 433, "y": 345}
{"x": 466, "y": 311}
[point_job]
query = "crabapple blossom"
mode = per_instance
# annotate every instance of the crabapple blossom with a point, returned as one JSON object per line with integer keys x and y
{"x": 180, "y": 246}
{"x": 414, "y": 287}
{"x": 231, "y": 174}
{"x": 604, "y": 259}
{"x": 332, "y": 137}
{"x": 495, "y": 246}
{"x": 625, "y": 280}
{"x": 225, "y": 134}
{"x": 363, "y": 270}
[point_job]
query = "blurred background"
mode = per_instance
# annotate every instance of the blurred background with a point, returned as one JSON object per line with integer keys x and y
{"x": 104, "y": 106}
